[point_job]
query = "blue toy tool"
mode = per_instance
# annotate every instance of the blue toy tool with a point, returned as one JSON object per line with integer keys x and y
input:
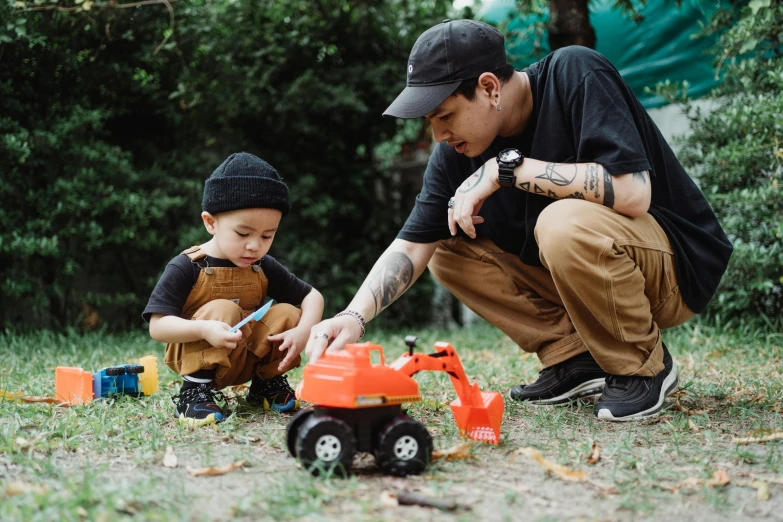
{"x": 255, "y": 316}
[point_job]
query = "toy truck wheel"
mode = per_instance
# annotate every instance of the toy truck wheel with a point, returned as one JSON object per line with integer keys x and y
{"x": 325, "y": 445}
{"x": 292, "y": 429}
{"x": 134, "y": 368}
{"x": 114, "y": 371}
{"x": 404, "y": 447}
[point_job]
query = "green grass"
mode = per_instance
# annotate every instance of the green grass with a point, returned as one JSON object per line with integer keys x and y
{"x": 102, "y": 461}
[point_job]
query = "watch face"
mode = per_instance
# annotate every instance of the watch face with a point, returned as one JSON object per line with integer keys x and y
{"x": 509, "y": 155}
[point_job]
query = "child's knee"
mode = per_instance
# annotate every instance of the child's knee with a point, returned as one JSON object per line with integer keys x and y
{"x": 282, "y": 317}
{"x": 219, "y": 310}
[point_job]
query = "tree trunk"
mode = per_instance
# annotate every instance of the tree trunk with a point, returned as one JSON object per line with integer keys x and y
{"x": 569, "y": 24}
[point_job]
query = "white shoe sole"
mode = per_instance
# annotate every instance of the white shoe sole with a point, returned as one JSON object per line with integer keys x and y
{"x": 586, "y": 389}
{"x": 668, "y": 387}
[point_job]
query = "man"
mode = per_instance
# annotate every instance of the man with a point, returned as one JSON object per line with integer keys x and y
{"x": 553, "y": 208}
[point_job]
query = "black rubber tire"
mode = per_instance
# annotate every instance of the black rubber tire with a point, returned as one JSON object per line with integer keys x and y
{"x": 292, "y": 429}
{"x": 114, "y": 371}
{"x": 134, "y": 368}
{"x": 408, "y": 458}
{"x": 325, "y": 434}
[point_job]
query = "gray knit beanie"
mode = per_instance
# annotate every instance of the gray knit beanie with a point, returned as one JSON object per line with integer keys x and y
{"x": 244, "y": 181}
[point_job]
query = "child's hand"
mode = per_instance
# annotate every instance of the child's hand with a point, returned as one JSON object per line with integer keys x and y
{"x": 294, "y": 340}
{"x": 217, "y": 334}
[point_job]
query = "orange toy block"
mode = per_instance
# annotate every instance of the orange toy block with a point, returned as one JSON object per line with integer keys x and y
{"x": 73, "y": 385}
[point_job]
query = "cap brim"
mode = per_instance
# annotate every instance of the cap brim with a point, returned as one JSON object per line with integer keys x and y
{"x": 415, "y": 102}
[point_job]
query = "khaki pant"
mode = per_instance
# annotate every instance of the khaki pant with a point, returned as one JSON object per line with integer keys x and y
{"x": 608, "y": 286}
{"x": 254, "y": 354}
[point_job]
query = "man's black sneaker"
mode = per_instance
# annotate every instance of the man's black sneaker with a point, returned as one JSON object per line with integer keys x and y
{"x": 272, "y": 394}
{"x": 196, "y": 405}
{"x": 627, "y": 398}
{"x": 575, "y": 378}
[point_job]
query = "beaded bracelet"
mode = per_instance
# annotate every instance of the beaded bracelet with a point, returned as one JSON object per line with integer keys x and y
{"x": 355, "y": 315}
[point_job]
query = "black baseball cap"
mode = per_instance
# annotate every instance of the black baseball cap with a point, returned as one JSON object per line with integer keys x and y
{"x": 442, "y": 57}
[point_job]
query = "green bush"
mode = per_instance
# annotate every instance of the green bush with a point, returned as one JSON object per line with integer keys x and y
{"x": 111, "y": 118}
{"x": 736, "y": 153}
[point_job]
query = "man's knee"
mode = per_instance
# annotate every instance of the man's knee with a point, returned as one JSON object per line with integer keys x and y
{"x": 220, "y": 310}
{"x": 560, "y": 226}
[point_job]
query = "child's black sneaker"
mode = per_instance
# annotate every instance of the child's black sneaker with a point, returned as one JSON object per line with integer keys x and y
{"x": 575, "y": 378}
{"x": 272, "y": 394}
{"x": 196, "y": 405}
{"x": 628, "y": 398}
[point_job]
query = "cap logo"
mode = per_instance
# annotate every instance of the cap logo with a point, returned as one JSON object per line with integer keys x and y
{"x": 410, "y": 69}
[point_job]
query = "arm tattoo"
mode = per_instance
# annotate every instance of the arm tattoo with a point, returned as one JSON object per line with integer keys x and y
{"x": 390, "y": 280}
{"x": 591, "y": 180}
{"x": 560, "y": 174}
{"x": 641, "y": 176}
{"x": 608, "y": 190}
{"x": 470, "y": 183}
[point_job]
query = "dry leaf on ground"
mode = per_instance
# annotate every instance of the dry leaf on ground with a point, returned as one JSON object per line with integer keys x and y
{"x": 18, "y": 487}
{"x": 561, "y": 471}
{"x": 595, "y": 456}
{"x": 456, "y": 452}
{"x": 762, "y": 488}
{"x": 778, "y": 435}
{"x": 685, "y": 410}
{"x": 212, "y": 471}
{"x": 170, "y": 459}
{"x": 719, "y": 479}
{"x": 48, "y": 400}
{"x": 389, "y": 499}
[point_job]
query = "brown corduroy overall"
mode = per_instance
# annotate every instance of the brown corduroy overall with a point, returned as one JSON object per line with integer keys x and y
{"x": 608, "y": 285}
{"x": 229, "y": 295}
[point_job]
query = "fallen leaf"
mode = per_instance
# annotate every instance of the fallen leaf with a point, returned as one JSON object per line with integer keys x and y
{"x": 762, "y": 488}
{"x": 778, "y": 435}
{"x": 170, "y": 459}
{"x": 456, "y": 452}
{"x": 389, "y": 499}
{"x": 693, "y": 427}
{"x": 18, "y": 487}
{"x": 685, "y": 410}
{"x": 719, "y": 479}
{"x": 595, "y": 456}
{"x": 48, "y": 400}
{"x": 21, "y": 442}
{"x": 557, "y": 469}
{"x": 212, "y": 471}
{"x": 9, "y": 396}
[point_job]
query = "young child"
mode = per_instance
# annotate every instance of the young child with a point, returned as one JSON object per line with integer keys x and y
{"x": 207, "y": 289}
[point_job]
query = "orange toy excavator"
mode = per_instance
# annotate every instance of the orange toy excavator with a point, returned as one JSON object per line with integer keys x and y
{"x": 358, "y": 408}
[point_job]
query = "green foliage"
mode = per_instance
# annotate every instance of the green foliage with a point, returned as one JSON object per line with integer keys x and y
{"x": 736, "y": 152}
{"x": 112, "y": 117}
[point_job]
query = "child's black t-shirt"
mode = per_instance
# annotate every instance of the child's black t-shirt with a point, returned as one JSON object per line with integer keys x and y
{"x": 583, "y": 111}
{"x": 180, "y": 275}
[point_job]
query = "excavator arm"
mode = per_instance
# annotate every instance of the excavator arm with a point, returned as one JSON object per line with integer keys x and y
{"x": 478, "y": 414}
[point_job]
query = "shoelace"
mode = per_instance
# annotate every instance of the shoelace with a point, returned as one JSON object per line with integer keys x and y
{"x": 276, "y": 384}
{"x": 621, "y": 382}
{"x": 199, "y": 394}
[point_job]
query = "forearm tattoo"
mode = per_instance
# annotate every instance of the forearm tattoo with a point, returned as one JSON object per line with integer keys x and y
{"x": 473, "y": 181}
{"x": 591, "y": 180}
{"x": 560, "y": 174}
{"x": 608, "y": 190}
{"x": 390, "y": 280}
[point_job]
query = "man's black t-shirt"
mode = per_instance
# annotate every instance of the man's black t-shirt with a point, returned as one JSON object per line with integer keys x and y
{"x": 174, "y": 286}
{"x": 583, "y": 111}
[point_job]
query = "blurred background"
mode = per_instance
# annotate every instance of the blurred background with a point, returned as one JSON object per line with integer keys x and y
{"x": 113, "y": 114}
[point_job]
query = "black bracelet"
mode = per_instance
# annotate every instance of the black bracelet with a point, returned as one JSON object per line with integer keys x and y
{"x": 355, "y": 315}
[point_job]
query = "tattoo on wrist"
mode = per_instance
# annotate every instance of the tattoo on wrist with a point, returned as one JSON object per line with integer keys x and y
{"x": 608, "y": 190}
{"x": 471, "y": 183}
{"x": 560, "y": 174}
{"x": 390, "y": 280}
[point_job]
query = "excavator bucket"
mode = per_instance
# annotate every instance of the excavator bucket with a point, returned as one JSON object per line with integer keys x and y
{"x": 481, "y": 419}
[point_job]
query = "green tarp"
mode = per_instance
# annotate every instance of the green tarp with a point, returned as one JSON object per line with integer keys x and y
{"x": 658, "y": 48}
